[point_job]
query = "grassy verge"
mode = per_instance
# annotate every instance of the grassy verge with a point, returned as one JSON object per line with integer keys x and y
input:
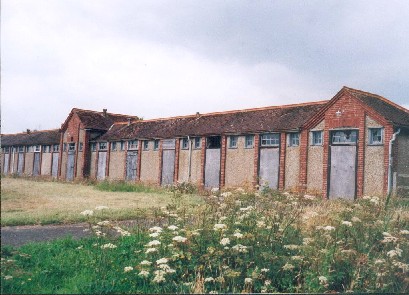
{"x": 26, "y": 201}
{"x": 235, "y": 242}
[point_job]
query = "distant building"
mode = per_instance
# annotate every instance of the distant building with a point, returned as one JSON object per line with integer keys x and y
{"x": 353, "y": 145}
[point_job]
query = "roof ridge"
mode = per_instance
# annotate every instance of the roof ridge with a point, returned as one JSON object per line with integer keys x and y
{"x": 98, "y": 112}
{"x": 232, "y": 111}
{"x": 31, "y": 132}
{"x": 379, "y": 97}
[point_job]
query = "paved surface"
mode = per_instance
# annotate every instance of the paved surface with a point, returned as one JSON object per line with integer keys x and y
{"x": 20, "y": 235}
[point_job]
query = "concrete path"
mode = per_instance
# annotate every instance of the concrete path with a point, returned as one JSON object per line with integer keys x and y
{"x": 20, "y": 235}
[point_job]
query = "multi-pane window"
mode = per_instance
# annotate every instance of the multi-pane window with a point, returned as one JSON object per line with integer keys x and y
{"x": 270, "y": 139}
{"x": 294, "y": 139}
{"x": 71, "y": 147}
{"x": 316, "y": 138}
{"x": 156, "y": 144}
{"x": 46, "y": 148}
{"x": 146, "y": 145}
{"x": 6, "y": 149}
{"x": 56, "y": 147}
{"x": 344, "y": 137}
{"x": 375, "y": 135}
{"x": 249, "y": 141}
{"x": 122, "y": 143}
{"x": 213, "y": 142}
{"x": 113, "y": 146}
{"x": 185, "y": 144}
{"x": 132, "y": 144}
{"x": 198, "y": 142}
{"x": 80, "y": 146}
{"x": 93, "y": 146}
{"x": 102, "y": 146}
{"x": 21, "y": 149}
{"x": 233, "y": 141}
{"x": 37, "y": 148}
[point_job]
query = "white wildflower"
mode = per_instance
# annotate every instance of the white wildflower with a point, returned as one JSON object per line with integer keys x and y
{"x": 295, "y": 257}
{"x": 291, "y": 247}
{"x": 379, "y": 261}
{"x": 172, "y": 227}
{"x": 309, "y": 197}
{"x": 226, "y": 194}
{"x": 366, "y": 197}
{"x": 8, "y": 277}
{"x": 145, "y": 262}
{"x": 166, "y": 268}
{"x": 162, "y": 261}
{"x": 323, "y": 280}
{"x": 248, "y": 280}
{"x": 401, "y": 265}
{"x": 154, "y": 235}
{"x": 264, "y": 270}
{"x": 261, "y": 224}
{"x": 103, "y": 223}
{"x": 248, "y": 208}
{"x": 87, "y": 213}
{"x": 219, "y": 226}
{"x": 213, "y": 292}
{"x": 128, "y": 268}
{"x": 267, "y": 283}
{"x": 307, "y": 241}
{"x": 389, "y": 239}
{"x": 159, "y": 276}
{"x": 155, "y": 229}
{"x": 101, "y": 207}
{"x": 215, "y": 190}
{"x": 288, "y": 266}
{"x": 395, "y": 252}
{"x": 225, "y": 241}
{"x": 79, "y": 247}
{"x": 328, "y": 228}
{"x": 238, "y": 235}
{"x": 179, "y": 239}
{"x": 209, "y": 280}
{"x": 151, "y": 250}
{"x": 240, "y": 248}
{"x": 153, "y": 243}
{"x": 404, "y": 232}
{"x": 108, "y": 246}
{"x": 374, "y": 200}
{"x": 347, "y": 223}
{"x": 122, "y": 232}
{"x": 355, "y": 219}
{"x": 144, "y": 273}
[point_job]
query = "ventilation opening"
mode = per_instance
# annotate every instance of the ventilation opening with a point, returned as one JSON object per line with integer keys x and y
{"x": 213, "y": 142}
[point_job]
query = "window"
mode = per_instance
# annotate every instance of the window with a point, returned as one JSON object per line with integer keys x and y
{"x": 146, "y": 145}
{"x": 185, "y": 144}
{"x": 213, "y": 142}
{"x": 249, "y": 141}
{"x": 46, "y": 148}
{"x": 294, "y": 139}
{"x": 270, "y": 139}
{"x": 93, "y": 147}
{"x": 56, "y": 147}
{"x": 132, "y": 144}
{"x": 71, "y": 147}
{"x": 113, "y": 146}
{"x": 64, "y": 147}
{"x": 37, "y": 148}
{"x": 316, "y": 137}
{"x": 80, "y": 146}
{"x": 122, "y": 145}
{"x": 198, "y": 143}
{"x": 233, "y": 141}
{"x": 21, "y": 149}
{"x": 344, "y": 137}
{"x": 6, "y": 149}
{"x": 156, "y": 144}
{"x": 375, "y": 135}
{"x": 102, "y": 146}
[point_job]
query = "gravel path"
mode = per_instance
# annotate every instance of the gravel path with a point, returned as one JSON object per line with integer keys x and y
{"x": 20, "y": 235}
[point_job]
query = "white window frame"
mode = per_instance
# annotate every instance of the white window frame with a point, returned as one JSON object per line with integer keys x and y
{"x": 233, "y": 141}
{"x": 71, "y": 147}
{"x": 114, "y": 146}
{"x": 294, "y": 139}
{"x": 56, "y": 148}
{"x": 122, "y": 145}
{"x": 314, "y": 135}
{"x": 93, "y": 147}
{"x": 185, "y": 144}
{"x": 249, "y": 141}
{"x": 270, "y": 139}
{"x": 146, "y": 145}
{"x": 371, "y": 136}
{"x": 198, "y": 143}
{"x": 132, "y": 144}
{"x": 156, "y": 145}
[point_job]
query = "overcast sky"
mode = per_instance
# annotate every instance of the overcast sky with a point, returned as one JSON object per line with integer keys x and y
{"x": 165, "y": 58}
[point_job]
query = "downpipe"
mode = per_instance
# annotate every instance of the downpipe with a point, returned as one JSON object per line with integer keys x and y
{"x": 390, "y": 176}
{"x": 190, "y": 159}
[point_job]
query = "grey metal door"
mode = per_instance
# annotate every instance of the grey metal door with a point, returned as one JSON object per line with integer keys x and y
{"x": 70, "y": 166}
{"x": 343, "y": 172}
{"x": 168, "y": 161}
{"x": 54, "y": 168}
{"x": 212, "y": 168}
{"x": 6, "y": 163}
{"x": 269, "y": 167}
{"x": 102, "y": 163}
{"x": 36, "y": 167}
{"x": 20, "y": 164}
{"x": 131, "y": 165}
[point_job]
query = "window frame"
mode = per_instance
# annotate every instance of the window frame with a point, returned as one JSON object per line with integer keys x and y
{"x": 56, "y": 148}
{"x": 198, "y": 143}
{"x": 233, "y": 141}
{"x": 268, "y": 139}
{"x": 371, "y": 136}
{"x": 114, "y": 146}
{"x": 80, "y": 146}
{"x": 71, "y": 147}
{"x": 93, "y": 146}
{"x": 146, "y": 145}
{"x": 156, "y": 144}
{"x": 293, "y": 139}
{"x": 122, "y": 145}
{"x": 314, "y": 136}
{"x": 184, "y": 145}
{"x": 249, "y": 141}
{"x": 133, "y": 144}
{"x": 349, "y": 142}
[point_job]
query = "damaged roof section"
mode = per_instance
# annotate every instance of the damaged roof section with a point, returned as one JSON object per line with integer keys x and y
{"x": 280, "y": 118}
{"x": 394, "y": 113}
{"x": 44, "y": 137}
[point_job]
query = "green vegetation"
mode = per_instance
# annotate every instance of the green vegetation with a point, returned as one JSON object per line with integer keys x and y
{"x": 235, "y": 242}
{"x": 122, "y": 186}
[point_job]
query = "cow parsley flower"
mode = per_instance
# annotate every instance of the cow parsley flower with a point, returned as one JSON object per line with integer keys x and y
{"x": 87, "y": 213}
{"x": 264, "y": 270}
{"x": 8, "y": 277}
{"x": 395, "y": 252}
{"x": 155, "y": 229}
{"x": 145, "y": 262}
{"x": 404, "y": 232}
{"x": 143, "y": 273}
{"x": 172, "y": 227}
{"x": 108, "y": 246}
{"x": 162, "y": 261}
{"x": 225, "y": 241}
{"x": 151, "y": 250}
{"x": 159, "y": 276}
{"x": 323, "y": 280}
{"x": 209, "y": 280}
{"x": 128, "y": 268}
{"x": 154, "y": 235}
{"x": 355, "y": 219}
{"x": 179, "y": 239}
{"x": 288, "y": 266}
{"x": 153, "y": 243}
{"x": 238, "y": 235}
{"x": 219, "y": 227}
{"x": 240, "y": 248}
{"x": 248, "y": 280}
{"x": 291, "y": 247}
{"x": 347, "y": 223}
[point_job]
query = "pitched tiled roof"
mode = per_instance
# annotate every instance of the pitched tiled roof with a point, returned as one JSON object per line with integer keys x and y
{"x": 97, "y": 120}
{"x": 277, "y": 118}
{"x": 44, "y": 137}
{"x": 399, "y": 116}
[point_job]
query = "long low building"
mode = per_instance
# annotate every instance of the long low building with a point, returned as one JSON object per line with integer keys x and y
{"x": 353, "y": 145}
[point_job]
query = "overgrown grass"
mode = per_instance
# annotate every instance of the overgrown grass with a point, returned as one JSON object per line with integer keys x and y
{"x": 235, "y": 242}
{"x": 122, "y": 186}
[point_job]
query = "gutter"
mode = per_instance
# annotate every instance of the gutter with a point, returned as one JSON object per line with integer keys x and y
{"x": 391, "y": 161}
